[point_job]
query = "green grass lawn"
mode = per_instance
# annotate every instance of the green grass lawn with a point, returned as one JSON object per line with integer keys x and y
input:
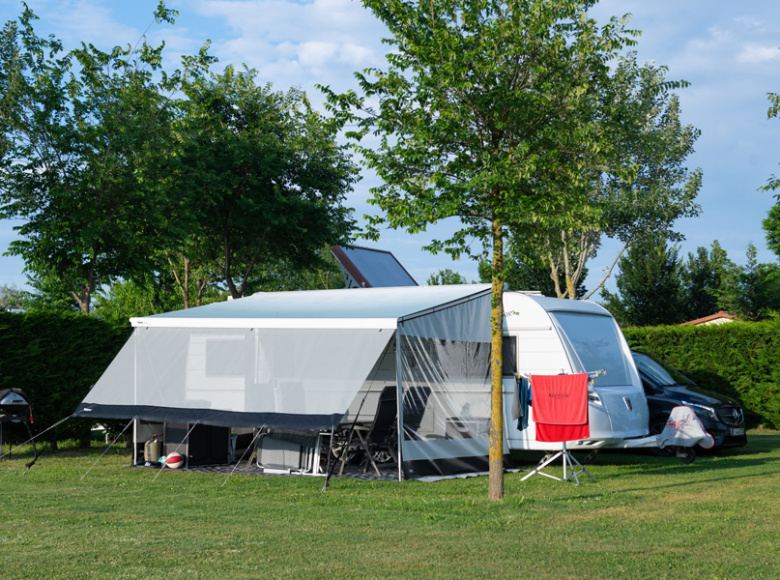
{"x": 643, "y": 517}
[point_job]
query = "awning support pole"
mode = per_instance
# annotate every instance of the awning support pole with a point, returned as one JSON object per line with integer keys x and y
{"x": 109, "y": 447}
{"x": 330, "y": 450}
{"x": 251, "y": 446}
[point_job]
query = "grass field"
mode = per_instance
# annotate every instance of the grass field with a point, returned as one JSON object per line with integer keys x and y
{"x": 643, "y": 517}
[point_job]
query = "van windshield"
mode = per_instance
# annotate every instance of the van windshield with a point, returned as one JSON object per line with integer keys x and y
{"x": 596, "y": 342}
{"x": 662, "y": 374}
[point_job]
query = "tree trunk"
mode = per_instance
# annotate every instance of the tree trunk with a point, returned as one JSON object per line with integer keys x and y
{"x": 496, "y": 474}
{"x": 186, "y": 289}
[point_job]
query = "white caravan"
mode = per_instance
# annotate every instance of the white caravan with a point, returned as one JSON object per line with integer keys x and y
{"x": 549, "y": 336}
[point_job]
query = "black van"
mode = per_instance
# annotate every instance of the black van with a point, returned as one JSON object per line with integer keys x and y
{"x": 666, "y": 387}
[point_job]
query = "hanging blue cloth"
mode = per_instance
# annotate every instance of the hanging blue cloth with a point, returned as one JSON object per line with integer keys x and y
{"x": 520, "y": 402}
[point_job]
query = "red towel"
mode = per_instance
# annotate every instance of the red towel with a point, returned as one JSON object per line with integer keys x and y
{"x": 556, "y": 433}
{"x": 560, "y": 399}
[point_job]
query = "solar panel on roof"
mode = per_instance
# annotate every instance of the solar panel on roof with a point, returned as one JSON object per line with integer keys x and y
{"x": 370, "y": 268}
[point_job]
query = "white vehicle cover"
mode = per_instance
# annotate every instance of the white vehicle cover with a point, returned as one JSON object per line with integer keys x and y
{"x": 683, "y": 429}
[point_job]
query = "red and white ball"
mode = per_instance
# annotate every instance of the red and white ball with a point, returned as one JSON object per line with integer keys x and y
{"x": 174, "y": 460}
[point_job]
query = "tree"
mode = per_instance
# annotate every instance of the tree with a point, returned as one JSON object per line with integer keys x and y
{"x": 774, "y": 111}
{"x": 122, "y": 300}
{"x": 81, "y": 134}
{"x": 649, "y": 286}
{"x": 485, "y": 110}
{"x": 265, "y": 180}
{"x": 524, "y": 272}
{"x": 704, "y": 278}
{"x": 11, "y": 298}
{"x": 771, "y": 226}
{"x": 283, "y": 276}
{"x": 641, "y": 189}
{"x": 446, "y": 276}
{"x": 49, "y": 293}
{"x": 752, "y": 292}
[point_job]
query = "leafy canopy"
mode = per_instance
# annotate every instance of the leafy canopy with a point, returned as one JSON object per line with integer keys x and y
{"x": 79, "y": 134}
{"x": 264, "y": 177}
{"x": 641, "y": 189}
{"x": 485, "y": 109}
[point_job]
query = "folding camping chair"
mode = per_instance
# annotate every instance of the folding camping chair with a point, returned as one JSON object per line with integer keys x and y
{"x": 560, "y": 408}
{"x": 380, "y": 435}
{"x": 414, "y": 403}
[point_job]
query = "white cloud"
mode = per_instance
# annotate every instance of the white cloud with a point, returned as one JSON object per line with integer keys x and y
{"x": 317, "y": 53}
{"x": 323, "y": 41}
{"x": 756, "y": 54}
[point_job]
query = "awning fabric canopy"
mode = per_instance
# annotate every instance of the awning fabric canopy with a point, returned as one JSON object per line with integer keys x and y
{"x": 292, "y": 360}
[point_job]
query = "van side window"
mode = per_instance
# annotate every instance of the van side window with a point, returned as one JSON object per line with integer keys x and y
{"x": 509, "y": 352}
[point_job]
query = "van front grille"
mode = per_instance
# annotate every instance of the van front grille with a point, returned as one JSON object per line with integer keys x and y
{"x": 731, "y": 416}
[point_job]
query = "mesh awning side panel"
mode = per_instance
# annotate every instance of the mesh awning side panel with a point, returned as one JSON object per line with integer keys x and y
{"x": 444, "y": 357}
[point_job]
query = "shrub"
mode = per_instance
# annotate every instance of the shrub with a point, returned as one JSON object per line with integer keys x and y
{"x": 55, "y": 358}
{"x": 740, "y": 359}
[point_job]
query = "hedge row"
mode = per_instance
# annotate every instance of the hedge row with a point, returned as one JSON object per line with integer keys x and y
{"x": 737, "y": 359}
{"x": 55, "y": 358}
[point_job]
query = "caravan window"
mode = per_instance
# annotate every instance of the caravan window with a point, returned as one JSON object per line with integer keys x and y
{"x": 596, "y": 342}
{"x": 509, "y": 357}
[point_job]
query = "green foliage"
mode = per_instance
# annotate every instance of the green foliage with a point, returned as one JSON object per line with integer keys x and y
{"x": 114, "y": 180}
{"x": 485, "y": 109}
{"x": 49, "y": 293}
{"x": 752, "y": 292}
{"x": 122, "y": 300}
{"x": 639, "y": 190}
{"x": 656, "y": 288}
{"x": 525, "y": 273}
{"x": 649, "y": 286}
{"x": 324, "y": 274}
{"x": 737, "y": 359}
{"x": 263, "y": 176}
{"x": 774, "y": 111}
{"x": 651, "y": 147}
{"x": 446, "y": 276}
{"x": 705, "y": 278}
{"x": 55, "y": 358}
{"x": 11, "y": 298}
{"x": 81, "y": 132}
{"x": 487, "y": 113}
{"x": 771, "y": 226}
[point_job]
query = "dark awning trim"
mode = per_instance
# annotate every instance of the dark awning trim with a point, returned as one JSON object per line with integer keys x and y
{"x": 209, "y": 417}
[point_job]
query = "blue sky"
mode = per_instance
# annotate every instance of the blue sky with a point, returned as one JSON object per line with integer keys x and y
{"x": 728, "y": 51}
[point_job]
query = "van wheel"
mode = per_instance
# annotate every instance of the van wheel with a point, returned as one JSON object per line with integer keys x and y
{"x": 686, "y": 454}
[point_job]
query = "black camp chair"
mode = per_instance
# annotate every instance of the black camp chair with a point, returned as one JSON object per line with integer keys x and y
{"x": 415, "y": 401}
{"x": 377, "y": 440}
